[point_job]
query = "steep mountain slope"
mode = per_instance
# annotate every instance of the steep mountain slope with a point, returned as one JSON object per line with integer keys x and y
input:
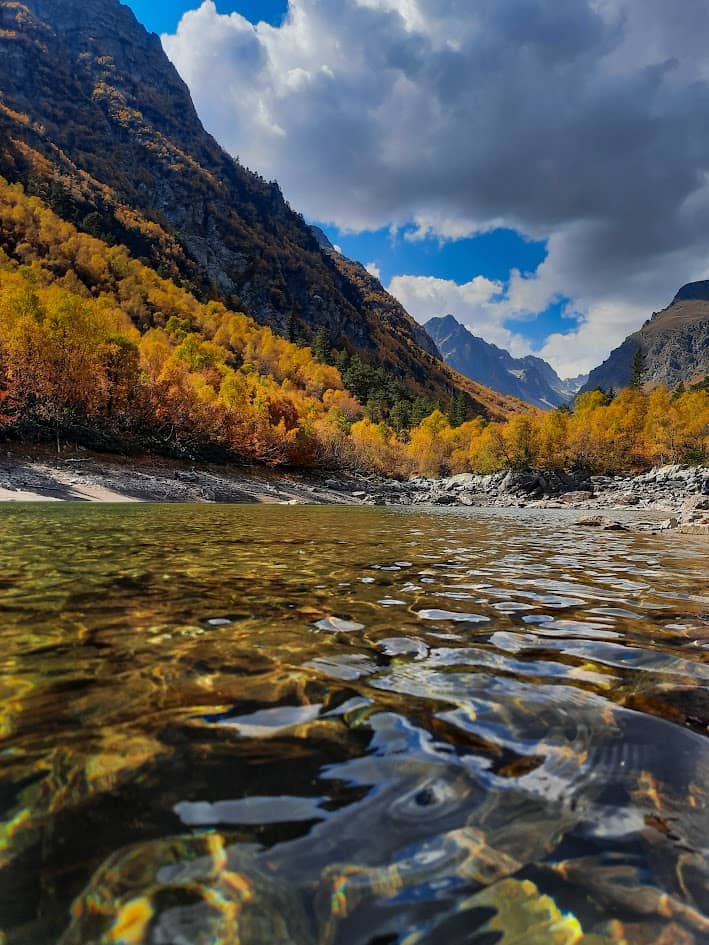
{"x": 530, "y": 379}
{"x": 674, "y": 345}
{"x": 95, "y": 120}
{"x": 97, "y": 348}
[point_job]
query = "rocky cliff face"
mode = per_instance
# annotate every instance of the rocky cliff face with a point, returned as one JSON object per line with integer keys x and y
{"x": 674, "y": 345}
{"x": 530, "y": 379}
{"x": 95, "y": 120}
{"x": 383, "y": 307}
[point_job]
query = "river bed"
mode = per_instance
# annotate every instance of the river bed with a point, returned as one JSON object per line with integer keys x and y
{"x": 350, "y": 726}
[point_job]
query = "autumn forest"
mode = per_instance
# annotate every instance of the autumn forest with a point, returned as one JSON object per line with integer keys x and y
{"x": 97, "y": 348}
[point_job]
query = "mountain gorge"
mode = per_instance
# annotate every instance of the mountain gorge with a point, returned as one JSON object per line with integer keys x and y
{"x": 96, "y": 122}
{"x": 155, "y": 295}
{"x": 530, "y": 379}
{"x": 671, "y": 348}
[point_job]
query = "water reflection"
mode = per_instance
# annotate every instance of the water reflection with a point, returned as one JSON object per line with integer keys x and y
{"x": 350, "y": 727}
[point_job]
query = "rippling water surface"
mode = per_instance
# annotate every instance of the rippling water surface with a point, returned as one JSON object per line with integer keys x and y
{"x": 263, "y": 726}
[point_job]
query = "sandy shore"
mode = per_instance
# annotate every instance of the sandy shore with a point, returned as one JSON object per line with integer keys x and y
{"x": 78, "y": 476}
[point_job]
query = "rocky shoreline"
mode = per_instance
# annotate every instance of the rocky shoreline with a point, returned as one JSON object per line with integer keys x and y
{"x": 675, "y": 497}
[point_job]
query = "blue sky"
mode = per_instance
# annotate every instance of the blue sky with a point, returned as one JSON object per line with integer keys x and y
{"x": 162, "y": 16}
{"x": 492, "y": 255}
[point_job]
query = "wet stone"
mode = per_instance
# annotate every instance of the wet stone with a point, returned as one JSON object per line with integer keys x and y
{"x": 338, "y": 625}
{"x": 455, "y": 616}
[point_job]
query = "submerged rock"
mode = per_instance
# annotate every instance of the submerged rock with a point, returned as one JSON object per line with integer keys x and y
{"x": 338, "y": 625}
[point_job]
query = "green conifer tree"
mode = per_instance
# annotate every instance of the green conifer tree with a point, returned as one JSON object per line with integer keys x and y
{"x": 637, "y": 369}
{"x": 321, "y": 344}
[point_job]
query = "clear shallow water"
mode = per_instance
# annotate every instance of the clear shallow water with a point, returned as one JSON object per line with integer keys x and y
{"x": 263, "y": 725}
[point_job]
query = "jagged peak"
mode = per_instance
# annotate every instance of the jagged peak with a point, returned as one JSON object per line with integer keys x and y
{"x": 450, "y": 323}
{"x": 530, "y": 378}
{"x": 693, "y": 292}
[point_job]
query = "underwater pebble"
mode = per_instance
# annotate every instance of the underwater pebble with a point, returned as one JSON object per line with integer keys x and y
{"x": 269, "y": 722}
{"x": 337, "y": 625}
{"x": 403, "y": 646}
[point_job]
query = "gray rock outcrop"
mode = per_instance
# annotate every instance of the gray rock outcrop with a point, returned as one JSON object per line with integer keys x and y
{"x": 674, "y": 345}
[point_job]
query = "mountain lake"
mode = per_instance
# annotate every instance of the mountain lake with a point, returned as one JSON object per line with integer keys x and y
{"x": 260, "y": 725}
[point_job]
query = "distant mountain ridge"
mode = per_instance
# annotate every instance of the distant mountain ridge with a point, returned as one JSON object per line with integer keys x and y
{"x": 674, "y": 345}
{"x": 530, "y": 379}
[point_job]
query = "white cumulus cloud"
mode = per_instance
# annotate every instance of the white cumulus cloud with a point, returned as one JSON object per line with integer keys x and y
{"x": 471, "y": 303}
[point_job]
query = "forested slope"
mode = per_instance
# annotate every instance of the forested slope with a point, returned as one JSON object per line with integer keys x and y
{"x": 93, "y": 343}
